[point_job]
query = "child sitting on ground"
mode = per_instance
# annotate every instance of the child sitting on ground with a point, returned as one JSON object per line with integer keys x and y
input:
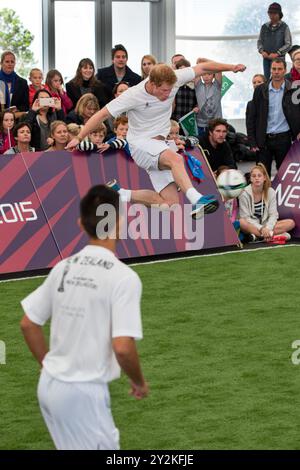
{"x": 259, "y": 218}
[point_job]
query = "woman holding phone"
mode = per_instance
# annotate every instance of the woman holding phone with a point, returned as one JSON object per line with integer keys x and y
{"x": 45, "y": 109}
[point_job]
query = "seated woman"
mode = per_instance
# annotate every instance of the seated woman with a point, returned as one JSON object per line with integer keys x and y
{"x": 59, "y": 135}
{"x": 14, "y": 90}
{"x": 22, "y": 135}
{"x": 258, "y": 209}
{"x": 40, "y": 117}
{"x": 7, "y": 122}
{"x": 54, "y": 84}
{"x": 85, "y": 81}
{"x": 85, "y": 108}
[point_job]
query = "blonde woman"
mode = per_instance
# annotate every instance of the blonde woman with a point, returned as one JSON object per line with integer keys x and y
{"x": 59, "y": 135}
{"x": 258, "y": 208}
{"x": 147, "y": 63}
{"x": 86, "y": 107}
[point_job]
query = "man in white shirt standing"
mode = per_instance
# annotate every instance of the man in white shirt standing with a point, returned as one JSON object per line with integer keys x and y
{"x": 149, "y": 108}
{"x": 93, "y": 301}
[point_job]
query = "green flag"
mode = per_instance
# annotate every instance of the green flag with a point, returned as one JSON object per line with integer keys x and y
{"x": 226, "y": 84}
{"x": 189, "y": 124}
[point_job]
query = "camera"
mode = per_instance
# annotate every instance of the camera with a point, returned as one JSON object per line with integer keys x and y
{"x": 46, "y": 101}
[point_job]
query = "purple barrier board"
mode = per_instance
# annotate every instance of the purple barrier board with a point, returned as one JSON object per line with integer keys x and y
{"x": 287, "y": 186}
{"x": 26, "y": 242}
{"x": 54, "y": 183}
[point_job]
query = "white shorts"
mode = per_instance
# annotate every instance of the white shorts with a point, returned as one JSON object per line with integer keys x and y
{"x": 77, "y": 414}
{"x": 146, "y": 154}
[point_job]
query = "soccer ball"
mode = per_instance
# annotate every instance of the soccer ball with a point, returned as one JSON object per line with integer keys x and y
{"x": 231, "y": 183}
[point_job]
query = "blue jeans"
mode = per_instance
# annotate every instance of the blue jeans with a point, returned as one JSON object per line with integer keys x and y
{"x": 267, "y": 68}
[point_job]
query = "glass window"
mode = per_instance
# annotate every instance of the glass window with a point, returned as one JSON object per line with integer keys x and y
{"x": 131, "y": 27}
{"x": 30, "y": 15}
{"x": 74, "y": 35}
{"x": 230, "y": 18}
{"x": 235, "y": 100}
{"x": 233, "y": 17}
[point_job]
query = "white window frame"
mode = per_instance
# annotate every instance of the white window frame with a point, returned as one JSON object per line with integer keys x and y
{"x": 162, "y": 30}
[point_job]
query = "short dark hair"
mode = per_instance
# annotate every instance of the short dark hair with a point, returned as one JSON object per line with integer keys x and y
{"x": 20, "y": 125}
{"x": 118, "y": 47}
{"x": 115, "y": 88}
{"x": 182, "y": 63}
{"x": 213, "y": 123}
{"x": 176, "y": 55}
{"x": 95, "y": 197}
{"x": 294, "y": 48}
{"x": 279, "y": 60}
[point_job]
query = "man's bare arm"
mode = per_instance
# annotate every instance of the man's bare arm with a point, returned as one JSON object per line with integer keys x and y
{"x": 91, "y": 124}
{"x": 218, "y": 75}
{"x": 127, "y": 356}
{"x": 34, "y": 338}
{"x": 215, "y": 67}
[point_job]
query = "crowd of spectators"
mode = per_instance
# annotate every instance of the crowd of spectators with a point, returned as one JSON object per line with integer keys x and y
{"x": 272, "y": 116}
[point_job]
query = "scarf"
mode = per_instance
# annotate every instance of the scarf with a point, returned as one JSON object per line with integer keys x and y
{"x": 294, "y": 74}
{"x": 7, "y": 78}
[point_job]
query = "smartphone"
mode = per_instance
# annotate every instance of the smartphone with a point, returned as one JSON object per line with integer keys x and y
{"x": 46, "y": 101}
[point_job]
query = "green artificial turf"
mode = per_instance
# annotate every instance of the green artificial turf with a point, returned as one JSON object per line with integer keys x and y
{"x": 216, "y": 352}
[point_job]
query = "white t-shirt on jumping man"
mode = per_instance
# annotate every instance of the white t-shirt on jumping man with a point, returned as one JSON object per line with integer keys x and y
{"x": 147, "y": 115}
{"x": 91, "y": 298}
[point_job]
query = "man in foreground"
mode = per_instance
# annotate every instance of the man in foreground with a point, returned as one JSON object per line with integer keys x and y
{"x": 93, "y": 301}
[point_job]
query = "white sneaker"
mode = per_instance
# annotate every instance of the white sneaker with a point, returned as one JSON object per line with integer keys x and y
{"x": 286, "y": 235}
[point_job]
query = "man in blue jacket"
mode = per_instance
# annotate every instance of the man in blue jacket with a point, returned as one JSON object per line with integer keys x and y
{"x": 118, "y": 71}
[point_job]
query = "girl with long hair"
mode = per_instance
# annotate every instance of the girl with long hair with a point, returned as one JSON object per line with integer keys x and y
{"x": 258, "y": 208}
{"x": 54, "y": 84}
{"x": 147, "y": 63}
{"x": 85, "y": 81}
{"x": 7, "y": 122}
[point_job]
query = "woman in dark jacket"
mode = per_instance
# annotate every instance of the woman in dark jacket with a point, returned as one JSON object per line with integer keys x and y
{"x": 13, "y": 89}
{"x": 40, "y": 116}
{"x": 85, "y": 81}
{"x": 85, "y": 108}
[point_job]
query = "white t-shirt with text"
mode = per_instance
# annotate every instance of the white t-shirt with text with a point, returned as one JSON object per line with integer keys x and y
{"x": 148, "y": 116}
{"x": 91, "y": 298}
